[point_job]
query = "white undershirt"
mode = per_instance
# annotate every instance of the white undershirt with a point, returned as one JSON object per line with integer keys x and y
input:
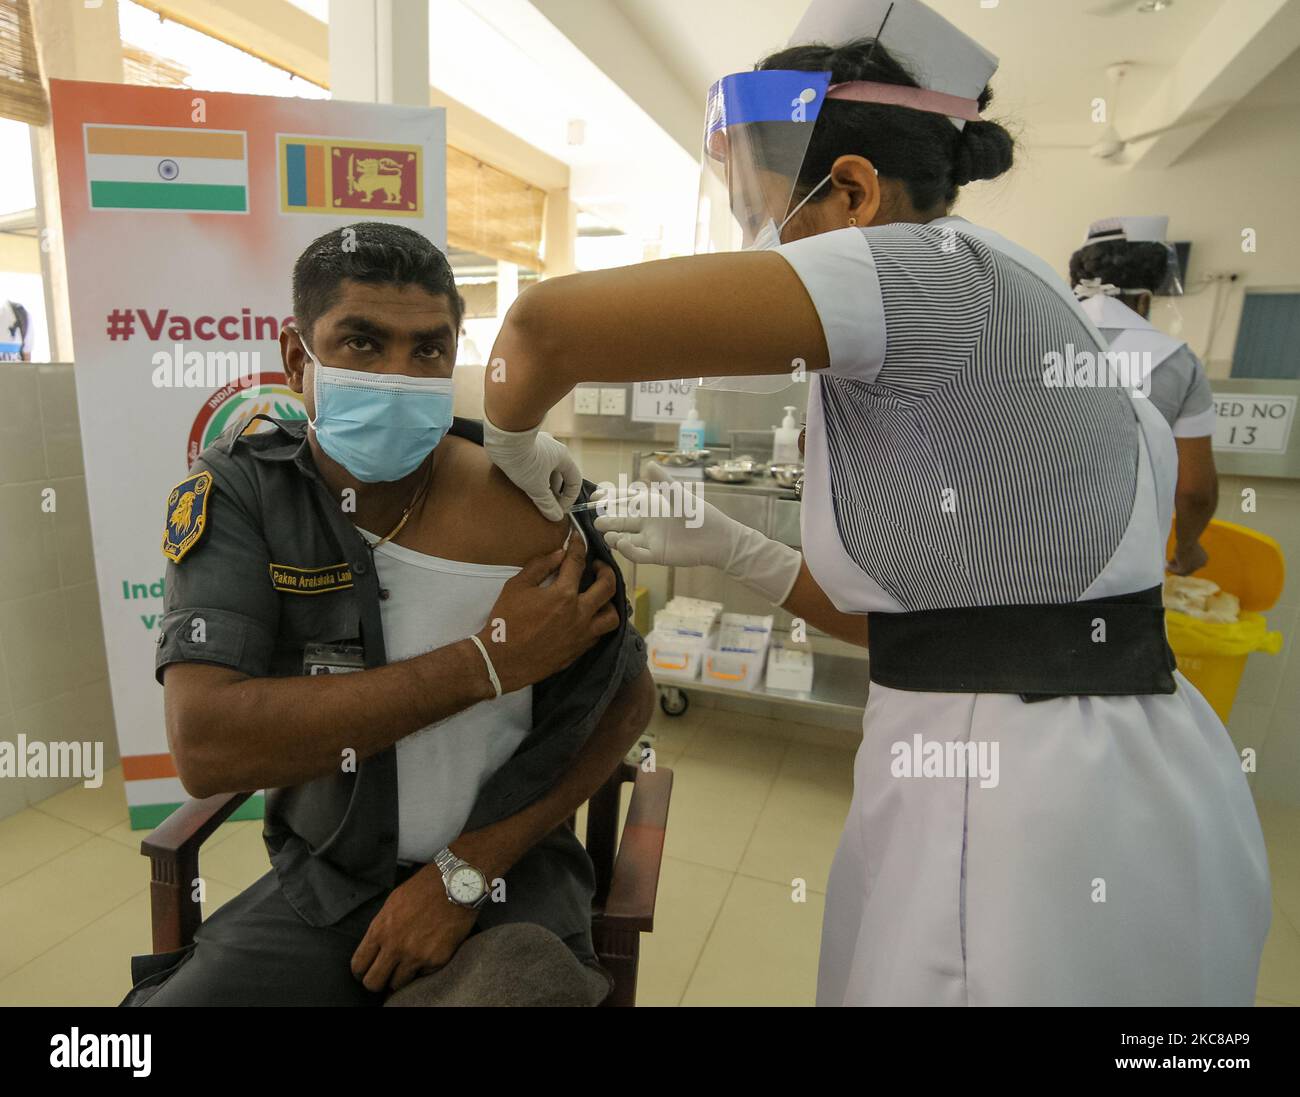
{"x": 433, "y": 602}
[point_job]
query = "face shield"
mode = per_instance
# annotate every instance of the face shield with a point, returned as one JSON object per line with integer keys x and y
{"x": 1172, "y": 283}
{"x": 1162, "y": 309}
{"x": 757, "y": 129}
{"x": 1158, "y": 300}
{"x": 1168, "y": 283}
{"x": 756, "y": 133}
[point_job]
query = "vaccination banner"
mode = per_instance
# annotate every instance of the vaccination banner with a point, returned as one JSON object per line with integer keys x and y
{"x": 183, "y": 213}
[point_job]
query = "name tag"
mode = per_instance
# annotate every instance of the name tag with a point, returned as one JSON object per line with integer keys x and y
{"x": 332, "y": 659}
{"x": 293, "y": 580}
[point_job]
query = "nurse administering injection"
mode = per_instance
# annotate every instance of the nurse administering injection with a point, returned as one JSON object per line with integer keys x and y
{"x": 997, "y": 541}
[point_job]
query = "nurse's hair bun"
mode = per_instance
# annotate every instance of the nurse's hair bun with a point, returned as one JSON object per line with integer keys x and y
{"x": 923, "y": 151}
{"x": 1129, "y": 264}
{"x": 984, "y": 150}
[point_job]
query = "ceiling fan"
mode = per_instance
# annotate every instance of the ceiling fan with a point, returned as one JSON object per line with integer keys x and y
{"x": 1118, "y": 7}
{"x": 1111, "y": 145}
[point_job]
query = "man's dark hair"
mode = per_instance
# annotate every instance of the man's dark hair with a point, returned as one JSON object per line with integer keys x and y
{"x": 372, "y": 252}
{"x": 925, "y": 151}
{"x": 1128, "y": 264}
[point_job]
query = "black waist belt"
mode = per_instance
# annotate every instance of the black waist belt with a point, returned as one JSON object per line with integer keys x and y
{"x": 1110, "y": 646}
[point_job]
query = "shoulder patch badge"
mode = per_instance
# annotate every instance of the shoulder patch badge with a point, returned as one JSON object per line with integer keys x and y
{"x": 187, "y": 513}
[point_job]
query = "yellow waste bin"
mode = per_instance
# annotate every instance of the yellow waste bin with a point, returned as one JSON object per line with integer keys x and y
{"x": 1211, "y": 654}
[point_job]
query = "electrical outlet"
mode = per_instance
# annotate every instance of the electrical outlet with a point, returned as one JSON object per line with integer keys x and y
{"x": 613, "y": 401}
{"x": 586, "y": 401}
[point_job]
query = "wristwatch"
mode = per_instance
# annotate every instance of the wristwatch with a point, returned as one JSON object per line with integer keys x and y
{"x": 466, "y": 886}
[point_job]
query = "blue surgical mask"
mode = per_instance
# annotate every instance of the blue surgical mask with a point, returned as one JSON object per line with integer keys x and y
{"x": 379, "y": 426}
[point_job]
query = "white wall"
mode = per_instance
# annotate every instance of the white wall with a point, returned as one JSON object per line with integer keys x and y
{"x": 53, "y": 670}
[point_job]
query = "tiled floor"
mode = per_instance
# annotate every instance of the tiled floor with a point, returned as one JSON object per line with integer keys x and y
{"x": 751, "y": 812}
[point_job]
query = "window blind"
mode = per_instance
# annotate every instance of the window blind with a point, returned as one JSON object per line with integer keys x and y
{"x": 21, "y": 95}
{"x": 492, "y": 212}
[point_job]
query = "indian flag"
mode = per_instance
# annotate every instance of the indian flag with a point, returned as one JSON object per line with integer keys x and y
{"x": 167, "y": 168}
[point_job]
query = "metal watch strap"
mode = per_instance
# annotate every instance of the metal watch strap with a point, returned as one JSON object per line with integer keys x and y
{"x": 447, "y": 863}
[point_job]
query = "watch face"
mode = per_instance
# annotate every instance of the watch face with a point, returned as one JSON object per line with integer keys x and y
{"x": 466, "y": 885}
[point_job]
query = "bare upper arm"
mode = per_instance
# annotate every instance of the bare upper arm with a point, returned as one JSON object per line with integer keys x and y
{"x": 476, "y": 514}
{"x": 660, "y": 320}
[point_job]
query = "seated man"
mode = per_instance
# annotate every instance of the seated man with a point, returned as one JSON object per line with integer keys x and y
{"x": 493, "y": 686}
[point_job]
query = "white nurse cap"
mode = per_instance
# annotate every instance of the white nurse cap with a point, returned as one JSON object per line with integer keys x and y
{"x": 937, "y": 54}
{"x": 1136, "y": 230}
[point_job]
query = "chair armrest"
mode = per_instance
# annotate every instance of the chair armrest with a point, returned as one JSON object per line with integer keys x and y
{"x": 173, "y": 852}
{"x": 190, "y": 825}
{"x": 630, "y": 904}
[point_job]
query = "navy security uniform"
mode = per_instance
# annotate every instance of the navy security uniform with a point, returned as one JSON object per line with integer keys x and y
{"x": 267, "y": 564}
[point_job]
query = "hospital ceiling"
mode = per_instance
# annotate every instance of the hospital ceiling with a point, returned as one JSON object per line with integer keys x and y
{"x": 701, "y": 41}
{"x": 631, "y": 75}
{"x": 1187, "y": 64}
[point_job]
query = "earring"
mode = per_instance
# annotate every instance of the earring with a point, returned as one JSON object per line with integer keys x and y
{"x": 852, "y": 222}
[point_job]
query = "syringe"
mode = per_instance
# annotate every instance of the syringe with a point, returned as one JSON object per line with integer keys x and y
{"x": 613, "y": 500}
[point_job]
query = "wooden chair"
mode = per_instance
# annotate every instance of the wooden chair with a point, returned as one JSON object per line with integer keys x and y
{"x": 627, "y": 869}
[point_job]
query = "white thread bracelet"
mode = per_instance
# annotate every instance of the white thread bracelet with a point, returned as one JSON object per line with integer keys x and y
{"x": 492, "y": 671}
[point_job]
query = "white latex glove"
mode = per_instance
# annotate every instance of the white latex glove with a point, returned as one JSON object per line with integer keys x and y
{"x": 740, "y": 551}
{"x": 538, "y": 465}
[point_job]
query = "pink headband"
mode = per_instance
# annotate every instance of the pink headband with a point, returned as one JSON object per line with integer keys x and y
{"x": 897, "y": 95}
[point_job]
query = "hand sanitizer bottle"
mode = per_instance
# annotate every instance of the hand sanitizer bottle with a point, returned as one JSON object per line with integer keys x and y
{"x": 785, "y": 440}
{"x": 690, "y": 435}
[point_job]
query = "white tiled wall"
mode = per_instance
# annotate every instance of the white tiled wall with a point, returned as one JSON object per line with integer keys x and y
{"x": 53, "y": 672}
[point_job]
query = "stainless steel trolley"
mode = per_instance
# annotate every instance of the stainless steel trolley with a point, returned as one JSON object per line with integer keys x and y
{"x": 839, "y": 681}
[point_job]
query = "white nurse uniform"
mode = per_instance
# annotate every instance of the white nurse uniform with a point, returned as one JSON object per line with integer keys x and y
{"x": 1116, "y": 858}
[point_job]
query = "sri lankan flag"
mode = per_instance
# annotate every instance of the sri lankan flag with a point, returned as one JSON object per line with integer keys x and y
{"x": 167, "y": 168}
{"x": 347, "y": 176}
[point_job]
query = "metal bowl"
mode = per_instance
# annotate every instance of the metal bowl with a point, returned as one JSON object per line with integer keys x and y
{"x": 729, "y": 472}
{"x": 786, "y": 475}
{"x": 745, "y": 461}
{"x": 681, "y": 458}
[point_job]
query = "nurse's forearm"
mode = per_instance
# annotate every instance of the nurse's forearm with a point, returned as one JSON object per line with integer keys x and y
{"x": 1196, "y": 495}
{"x": 1191, "y": 516}
{"x": 808, "y": 601}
